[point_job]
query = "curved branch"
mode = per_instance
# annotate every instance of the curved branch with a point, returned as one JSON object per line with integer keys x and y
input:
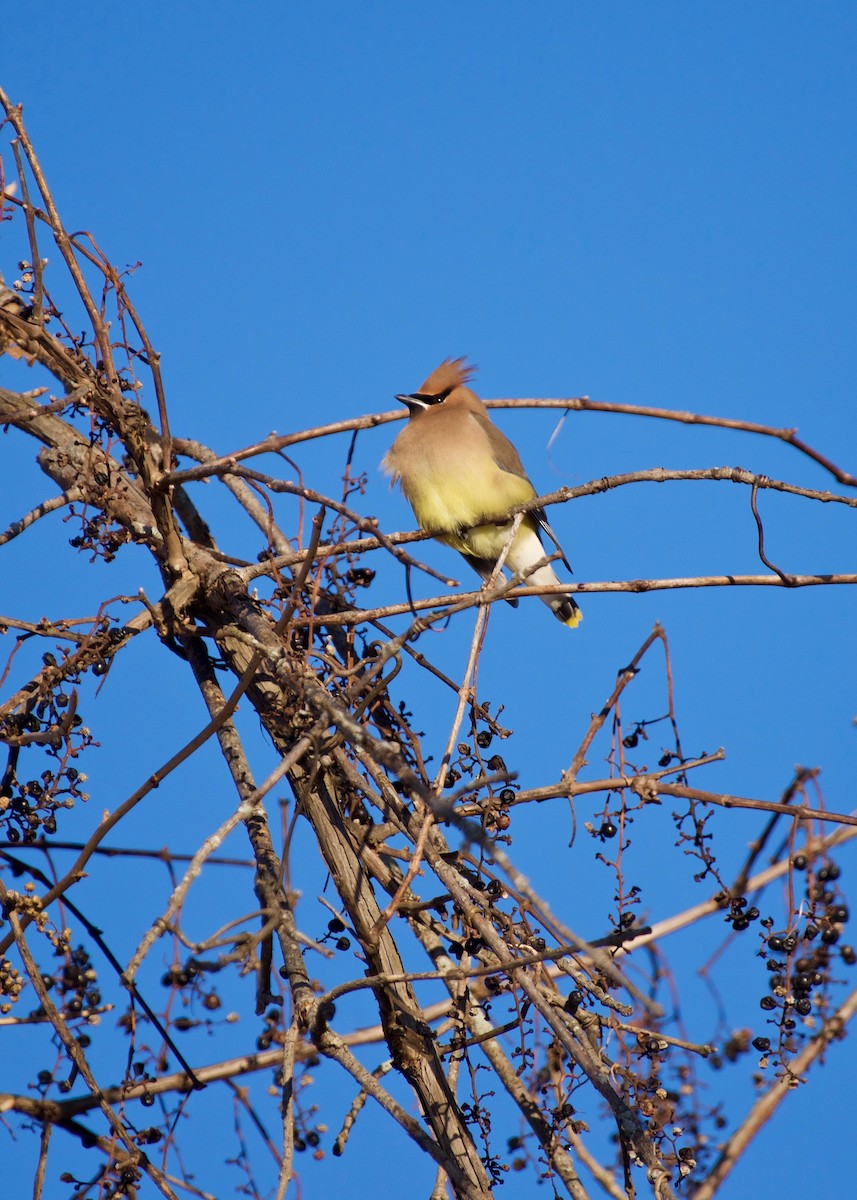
{"x": 274, "y": 441}
{"x": 592, "y": 488}
{"x": 584, "y": 404}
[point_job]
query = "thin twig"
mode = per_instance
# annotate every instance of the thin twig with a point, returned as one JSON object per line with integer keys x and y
{"x": 41, "y": 510}
{"x": 462, "y": 600}
{"x": 35, "y": 257}
{"x": 761, "y": 533}
{"x": 209, "y": 845}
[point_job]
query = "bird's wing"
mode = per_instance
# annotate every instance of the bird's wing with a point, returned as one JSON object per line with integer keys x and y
{"x": 507, "y": 459}
{"x": 541, "y": 517}
{"x": 504, "y": 453}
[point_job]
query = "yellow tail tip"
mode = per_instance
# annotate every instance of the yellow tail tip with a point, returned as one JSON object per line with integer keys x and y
{"x": 568, "y": 613}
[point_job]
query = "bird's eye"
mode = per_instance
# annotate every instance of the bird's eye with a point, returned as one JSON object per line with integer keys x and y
{"x": 436, "y": 399}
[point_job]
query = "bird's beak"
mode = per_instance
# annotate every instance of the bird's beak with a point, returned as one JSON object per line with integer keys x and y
{"x": 414, "y": 403}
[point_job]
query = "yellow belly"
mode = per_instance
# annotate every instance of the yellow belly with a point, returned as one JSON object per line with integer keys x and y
{"x": 448, "y": 501}
{"x": 482, "y": 541}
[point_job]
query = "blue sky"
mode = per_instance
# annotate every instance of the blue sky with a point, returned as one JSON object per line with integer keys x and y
{"x": 647, "y": 204}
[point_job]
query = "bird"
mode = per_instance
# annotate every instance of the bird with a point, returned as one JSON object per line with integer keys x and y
{"x": 461, "y": 475}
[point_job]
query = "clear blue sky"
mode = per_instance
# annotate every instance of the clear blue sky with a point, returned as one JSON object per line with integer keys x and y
{"x": 648, "y": 204}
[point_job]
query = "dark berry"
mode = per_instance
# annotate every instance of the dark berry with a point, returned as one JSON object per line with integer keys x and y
{"x": 360, "y": 576}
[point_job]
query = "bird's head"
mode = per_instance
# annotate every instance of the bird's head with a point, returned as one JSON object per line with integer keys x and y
{"x": 448, "y": 382}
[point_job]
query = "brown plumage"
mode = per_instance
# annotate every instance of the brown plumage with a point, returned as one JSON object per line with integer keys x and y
{"x": 452, "y": 373}
{"x": 461, "y": 475}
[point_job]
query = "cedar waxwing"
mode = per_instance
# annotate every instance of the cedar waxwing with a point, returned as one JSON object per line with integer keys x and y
{"x": 461, "y": 475}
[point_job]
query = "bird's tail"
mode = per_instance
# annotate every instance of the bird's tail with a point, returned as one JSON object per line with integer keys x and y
{"x": 525, "y": 552}
{"x": 566, "y": 609}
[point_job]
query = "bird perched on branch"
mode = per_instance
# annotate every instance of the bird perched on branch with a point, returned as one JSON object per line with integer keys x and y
{"x": 461, "y": 476}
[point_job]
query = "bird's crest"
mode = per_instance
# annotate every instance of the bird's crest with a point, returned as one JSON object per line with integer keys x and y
{"x": 452, "y": 373}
